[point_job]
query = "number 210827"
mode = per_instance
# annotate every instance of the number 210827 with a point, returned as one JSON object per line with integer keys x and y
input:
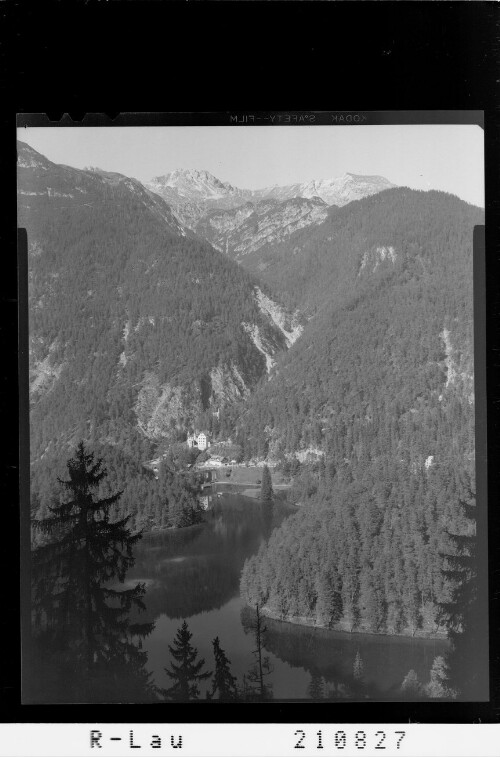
{"x": 345, "y": 740}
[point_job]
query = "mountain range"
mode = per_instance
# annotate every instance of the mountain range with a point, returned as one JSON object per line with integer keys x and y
{"x": 192, "y": 193}
{"x": 179, "y": 328}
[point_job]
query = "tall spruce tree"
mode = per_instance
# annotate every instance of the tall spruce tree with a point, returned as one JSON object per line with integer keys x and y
{"x": 258, "y": 688}
{"x": 224, "y": 685}
{"x": 460, "y": 612}
{"x": 186, "y": 671}
{"x": 81, "y": 620}
{"x": 266, "y": 487}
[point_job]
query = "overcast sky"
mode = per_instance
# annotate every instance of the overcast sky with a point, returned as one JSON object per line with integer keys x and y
{"x": 450, "y": 158}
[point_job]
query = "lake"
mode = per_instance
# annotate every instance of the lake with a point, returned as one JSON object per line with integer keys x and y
{"x": 194, "y": 574}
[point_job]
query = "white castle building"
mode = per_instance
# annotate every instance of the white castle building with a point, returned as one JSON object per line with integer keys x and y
{"x": 200, "y": 440}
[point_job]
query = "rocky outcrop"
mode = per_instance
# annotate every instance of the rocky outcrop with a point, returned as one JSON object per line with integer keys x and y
{"x": 44, "y": 371}
{"x": 162, "y": 409}
{"x": 159, "y": 407}
{"x": 289, "y": 324}
{"x": 227, "y": 385}
{"x": 246, "y": 229}
{"x": 375, "y": 256}
{"x": 459, "y": 368}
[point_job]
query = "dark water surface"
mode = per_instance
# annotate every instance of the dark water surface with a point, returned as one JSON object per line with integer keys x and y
{"x": 194, "y": 574}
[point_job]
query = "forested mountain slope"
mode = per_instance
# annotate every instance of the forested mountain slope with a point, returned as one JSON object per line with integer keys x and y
{"x": 362, "y": 240}
{"x": 381, "y": 386}
{"x": 389, "y": 281}
{"x": 45, "y": 186}
{"x": 137, "y": 328}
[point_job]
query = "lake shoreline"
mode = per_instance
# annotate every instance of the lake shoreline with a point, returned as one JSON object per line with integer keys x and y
{"x": 288, "y": 507}
{"x": 193, "y": 573}
{"x": 310, "y": 623}
{"x": 170, "y": 529}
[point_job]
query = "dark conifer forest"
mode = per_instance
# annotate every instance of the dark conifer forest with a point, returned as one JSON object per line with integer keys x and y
{"x": 383, "y": 390}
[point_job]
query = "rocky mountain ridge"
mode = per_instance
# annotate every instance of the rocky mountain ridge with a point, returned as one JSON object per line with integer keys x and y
{"x": 192, "y": 193}
{"x": 247, "y": 228}
{"x": 333, "y": 191}
{"x": 235, "y": 221}
{"x": 40, "y": 178}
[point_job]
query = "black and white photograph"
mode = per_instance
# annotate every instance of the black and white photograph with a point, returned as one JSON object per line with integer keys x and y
{"x": 253, "y": 412}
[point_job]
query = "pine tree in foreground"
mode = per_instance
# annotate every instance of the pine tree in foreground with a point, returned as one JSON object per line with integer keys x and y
{"x": 186, "y": 671}
{"x": 438, "y": 687}
{"x": 316, "y": 687}
{"x": 255, "y": 678}
{"x": 224, "y": 685}
{"x": 81, "y": 622}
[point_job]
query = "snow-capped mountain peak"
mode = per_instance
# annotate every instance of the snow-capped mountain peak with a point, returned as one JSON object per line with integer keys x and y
{"x": 193, "y": 184}
{"x": 343, "y": 189}
{"x": 193, "y": 193}
{"x": 334, "y": 191}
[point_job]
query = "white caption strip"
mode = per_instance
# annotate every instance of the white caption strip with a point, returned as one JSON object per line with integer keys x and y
{"x": 248, "y": 740}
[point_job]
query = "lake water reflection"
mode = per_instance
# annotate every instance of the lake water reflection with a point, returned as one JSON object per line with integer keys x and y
{"x": 194, "y": 574}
